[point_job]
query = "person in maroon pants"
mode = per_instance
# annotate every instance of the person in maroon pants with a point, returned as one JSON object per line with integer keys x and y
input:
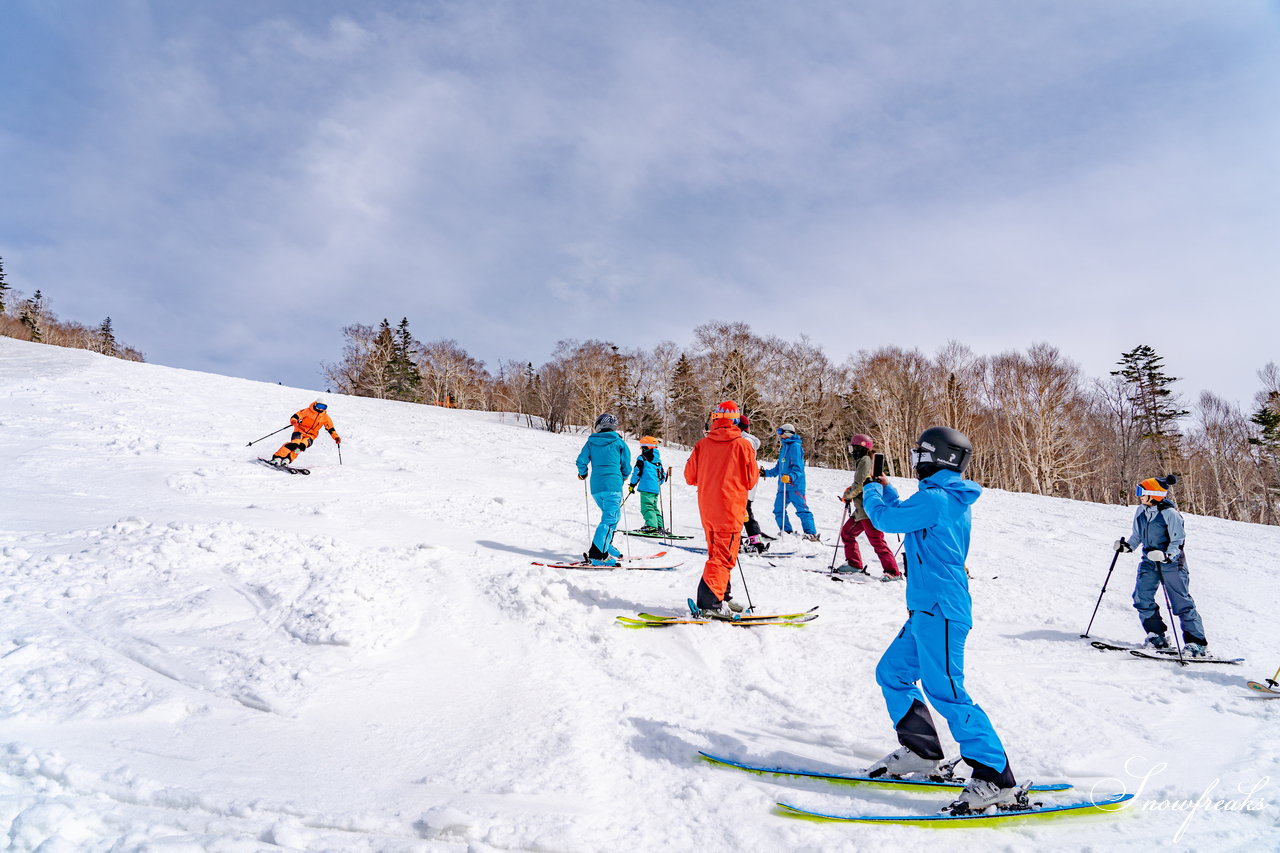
{"x": 860, "y": 447}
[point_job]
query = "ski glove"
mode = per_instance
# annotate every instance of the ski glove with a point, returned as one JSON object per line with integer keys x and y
{"x": 786, "y": 478}
{"x": 582, "y": 476}
{"x": 337, "y": 439}
{"x": 1157, "y": 557}
{"x": 1122, "y": 545}
{"x": 631, "y": 489}
{"x": 762, "y": 473}
{"x": 850, "y": 493}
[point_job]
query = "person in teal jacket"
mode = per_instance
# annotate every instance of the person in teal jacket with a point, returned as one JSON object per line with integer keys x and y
{"x": 608, "y": 458}
{"x": 648, "y": 476}
{"x": 928, "y": 653}
{"x": 790, "y": 474}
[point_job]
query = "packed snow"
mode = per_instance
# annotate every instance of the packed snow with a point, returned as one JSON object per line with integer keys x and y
{"x": 200, "y": 653}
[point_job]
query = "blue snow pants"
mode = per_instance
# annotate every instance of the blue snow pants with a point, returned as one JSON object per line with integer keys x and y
{"x": 1177, "y": 583}
{"x": 610, "y": 504}
{"x": 930, "y": 650}
{"x": 788, "y": 495}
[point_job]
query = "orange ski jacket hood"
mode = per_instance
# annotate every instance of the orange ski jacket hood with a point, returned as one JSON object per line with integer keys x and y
{"x": 723, "y": 467}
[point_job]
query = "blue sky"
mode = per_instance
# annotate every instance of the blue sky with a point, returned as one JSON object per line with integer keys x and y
{"x": 234, "y": 182}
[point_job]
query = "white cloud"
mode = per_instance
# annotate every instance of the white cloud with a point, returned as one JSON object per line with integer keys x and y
{"x": 518, "y": 173}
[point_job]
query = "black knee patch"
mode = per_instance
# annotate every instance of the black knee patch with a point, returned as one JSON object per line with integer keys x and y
{"x": 917, "y": 733}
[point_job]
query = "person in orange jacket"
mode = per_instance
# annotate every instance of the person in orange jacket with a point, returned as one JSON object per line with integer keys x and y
{"x": 306, "y": 429}
{"x": 723, "y": 466}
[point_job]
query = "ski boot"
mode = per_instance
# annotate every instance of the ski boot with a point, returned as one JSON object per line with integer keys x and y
{"x": 755, "y": 545}
{"x": 1197, "y": 650}
{"x": 850, "y": 569}
{"x": 979, "y": 795}
{"x": 721, "y": 610}
{"x": 1159, "y": 642}
{"x": 888, "y": 578}
{"x": 903, "y": 763}
{"x": 811, "y": 537}
{"x": 279, "y": 461}
{"x": 596, "y": 557}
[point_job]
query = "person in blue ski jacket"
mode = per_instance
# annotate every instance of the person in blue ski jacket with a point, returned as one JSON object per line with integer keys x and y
{"x": 1158, "y": 529}
{"x": 790, "y": 474}
{"x": 608, "y": 458}
{"x": 926, "y": 659}
{"x": 648, "y": 476}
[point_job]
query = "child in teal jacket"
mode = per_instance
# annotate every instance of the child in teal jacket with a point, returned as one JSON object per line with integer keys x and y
{"x": 648, "y": 476}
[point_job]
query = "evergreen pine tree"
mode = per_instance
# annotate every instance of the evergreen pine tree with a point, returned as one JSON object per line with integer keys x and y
{"x": 1267, "y": 419}
{"x": 620, "y": 382}
{"x": 405, "y": 380}
{"x": 688, "y": 414}
{"x": 1155, "y": 405}
{"x": 107, "y": 339}
{"x": 33, "y": 315}
{"x": 4, "y": 287}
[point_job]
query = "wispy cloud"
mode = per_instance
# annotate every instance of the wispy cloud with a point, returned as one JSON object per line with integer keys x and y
{"x": 236, "y": 184}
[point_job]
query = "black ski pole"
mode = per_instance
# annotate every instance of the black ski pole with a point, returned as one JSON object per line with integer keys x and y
{"x": 1177, "y": 640}
{"x": 268, "y": 435}
{"x": 622, "y": 514}
{"x": 844, "y": 514}
{"x": 1104, "y": 590}
{"x": 339, "y": 453}
{"x": 671, "y": 505}
{"x": 750, "y": 607}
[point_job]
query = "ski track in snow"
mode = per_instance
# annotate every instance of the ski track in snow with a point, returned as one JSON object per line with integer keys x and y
{"x": 198, "y": 653}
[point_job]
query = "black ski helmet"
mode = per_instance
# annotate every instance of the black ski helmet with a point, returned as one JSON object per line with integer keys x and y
{"x": 941, "y": 448}
{"x": 606, "y": 423}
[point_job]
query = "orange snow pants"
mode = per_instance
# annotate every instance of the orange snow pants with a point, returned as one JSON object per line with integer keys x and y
{"x": 295, "y": 445}
{"x": 722, "y": 556}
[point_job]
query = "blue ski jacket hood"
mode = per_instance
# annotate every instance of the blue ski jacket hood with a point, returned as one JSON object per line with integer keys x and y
{"x": 790, "y": 461}
{"x": 936, "y": 521}
{"x": 649, "y": 475}
{"x": 609, "y": 458}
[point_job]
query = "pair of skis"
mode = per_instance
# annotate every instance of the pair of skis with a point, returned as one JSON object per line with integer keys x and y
{"x": 856, "y": 577}
{"x": 667, "y": 535}
{"x": 764, "y": 555}
{"x": 952, "y": 784}
{"x": 700, "y": 617}
{"x": 632, "y": 563}
{"x": 1269, "y": 690}
{"x": 288, "y": 468}
{"x": 1162, "y": 654}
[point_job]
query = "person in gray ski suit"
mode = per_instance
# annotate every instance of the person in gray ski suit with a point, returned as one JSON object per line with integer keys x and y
{"x": 1159, "y": 531}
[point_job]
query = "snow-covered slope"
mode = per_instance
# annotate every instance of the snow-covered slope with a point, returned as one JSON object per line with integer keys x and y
{"x": 198, "y": 653}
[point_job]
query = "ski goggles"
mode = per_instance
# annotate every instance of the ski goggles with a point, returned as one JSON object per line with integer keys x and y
{"x": 919, "y": 454}
{"x": 781, "y": 431}
{"x": 320, "y": 407}
{"x": 1140, "y": 492}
